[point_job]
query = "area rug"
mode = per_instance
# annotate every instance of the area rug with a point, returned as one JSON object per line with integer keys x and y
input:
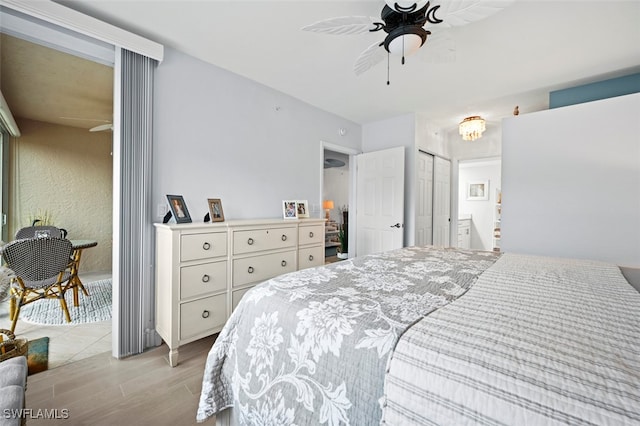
{"x": 93, "y": 308}
{"x": 38, "y": 355}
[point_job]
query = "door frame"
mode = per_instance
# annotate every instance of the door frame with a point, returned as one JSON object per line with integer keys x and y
{"x": 327, "y": 146}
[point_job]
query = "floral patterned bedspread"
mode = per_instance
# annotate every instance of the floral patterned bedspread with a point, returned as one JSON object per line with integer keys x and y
{"x": 311, "y": 347}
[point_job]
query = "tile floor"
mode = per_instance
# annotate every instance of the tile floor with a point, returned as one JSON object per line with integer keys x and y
{"x": 67, "y": 343}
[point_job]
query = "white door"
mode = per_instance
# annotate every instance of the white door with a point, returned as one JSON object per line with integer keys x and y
{"x": 380, "y": 201}
{"x": 424, "y": 199}
{"x": 441, "y": 202}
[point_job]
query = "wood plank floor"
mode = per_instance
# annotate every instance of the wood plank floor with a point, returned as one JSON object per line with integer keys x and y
{"x": 139, "y": 390}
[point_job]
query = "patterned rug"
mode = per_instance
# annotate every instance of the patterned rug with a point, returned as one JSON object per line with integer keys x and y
{"x": 38, "y": 355}
{"x": 93, "y": 308}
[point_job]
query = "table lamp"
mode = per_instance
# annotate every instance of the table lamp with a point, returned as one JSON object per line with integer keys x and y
{"x": 327, "y": 205}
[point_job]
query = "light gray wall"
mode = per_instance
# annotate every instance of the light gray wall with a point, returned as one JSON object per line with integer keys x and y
{"x": 571, "y": 182}
{"x": 390, "y": 133}
{"x": 220, "y": 135}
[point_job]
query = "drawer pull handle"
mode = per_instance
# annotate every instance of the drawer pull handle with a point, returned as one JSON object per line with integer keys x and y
{"x": 283, "y": 263}
{"x": 205, "y": 278}
{"x": 250, "y": 241}
{"x": 310, "y": 257}
{"x": 205, "y": 314}
{"x": 310, "y": 234}
{"x": 250, "y": 270}
{"x": 206, "y": 246}
{"x": 284, "y": 237}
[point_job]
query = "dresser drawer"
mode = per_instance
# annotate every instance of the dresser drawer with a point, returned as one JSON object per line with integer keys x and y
{"x": 203, "y": 246}
{"x": 310, "y": 234}
{"x": 263, "y": 239}
{"x": 260, "y": 268}
{"x": 201, "y": 279}
{"x": 310, "y": 257}
{"x": 206, "y": 315}
{"x": 237, "y": 295}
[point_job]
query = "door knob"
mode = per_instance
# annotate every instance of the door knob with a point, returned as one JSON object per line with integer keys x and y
{"x": 397, "y": 225}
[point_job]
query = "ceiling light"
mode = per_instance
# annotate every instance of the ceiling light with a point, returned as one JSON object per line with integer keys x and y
{"x": 471, "y": 128}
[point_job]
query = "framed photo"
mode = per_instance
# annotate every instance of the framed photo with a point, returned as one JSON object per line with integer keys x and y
{"x": 289, "y": 209}
{"x": 215, "y": 210}
{"x": 478, "y": 190}
{"x": 302, "y": 208}
{"x": 179, "y": 209}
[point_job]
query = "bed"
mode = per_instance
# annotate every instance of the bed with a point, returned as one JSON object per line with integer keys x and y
{"x": 423, "y": 335}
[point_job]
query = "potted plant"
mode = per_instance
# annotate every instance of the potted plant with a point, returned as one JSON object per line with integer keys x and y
{"x": 343, "y": 250}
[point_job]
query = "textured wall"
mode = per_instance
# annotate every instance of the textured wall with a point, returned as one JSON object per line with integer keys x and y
{"x": 67, "y": 173}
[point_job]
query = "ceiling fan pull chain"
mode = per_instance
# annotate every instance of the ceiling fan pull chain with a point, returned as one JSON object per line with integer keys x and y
{"x": 388, "y": 54}
{"x": 402, "y": 50}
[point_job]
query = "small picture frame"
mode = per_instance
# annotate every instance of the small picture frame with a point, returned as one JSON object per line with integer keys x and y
{"x": 179, "y": 209}
{"x": 215, "y": 210}
{"x": 478, "y": 190}
{"x": 302, "y": 208}
{"x": 289, "y": 209}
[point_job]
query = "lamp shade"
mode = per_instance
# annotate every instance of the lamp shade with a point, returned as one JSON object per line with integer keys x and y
{"x": 327, "y": 204}
{"x": 406, "y": 44}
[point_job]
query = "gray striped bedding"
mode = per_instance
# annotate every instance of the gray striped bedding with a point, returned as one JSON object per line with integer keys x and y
{"x": 536, "y": 341}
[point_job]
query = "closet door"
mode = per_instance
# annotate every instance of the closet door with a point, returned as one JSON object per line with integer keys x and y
{"x": 441, "y": 202}
{"x": 424, "y": 199}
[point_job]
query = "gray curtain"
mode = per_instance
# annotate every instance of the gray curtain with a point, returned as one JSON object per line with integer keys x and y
{"x": 134, "y": 296}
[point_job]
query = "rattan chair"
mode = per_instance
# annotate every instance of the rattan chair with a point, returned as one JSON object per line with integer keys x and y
{"x": 40, "y": 231}
{"x": 42, "y": 271}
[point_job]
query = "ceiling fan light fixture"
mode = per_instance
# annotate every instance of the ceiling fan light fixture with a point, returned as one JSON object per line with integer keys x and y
{"x": 471, "y": 128}
{"x": 406, "y": 44}
{"x": 405, "y": 40}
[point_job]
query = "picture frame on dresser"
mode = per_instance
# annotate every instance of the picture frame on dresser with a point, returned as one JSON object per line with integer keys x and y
{"x": 289, "y": 209}
{"x": 215, "y": 210}
{"x": 179, "y": 208}
{"x": 302, "y": 207}
{"x": 478, "y": 190}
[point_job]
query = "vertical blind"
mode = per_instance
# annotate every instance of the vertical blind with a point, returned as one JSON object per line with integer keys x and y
{"x": 133, "y": 280}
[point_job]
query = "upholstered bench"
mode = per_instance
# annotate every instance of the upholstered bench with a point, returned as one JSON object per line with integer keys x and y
{"x": 13, "y": 383}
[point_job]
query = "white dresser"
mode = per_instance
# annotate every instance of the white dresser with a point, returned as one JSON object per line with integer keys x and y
{"x": 204, "y": 269}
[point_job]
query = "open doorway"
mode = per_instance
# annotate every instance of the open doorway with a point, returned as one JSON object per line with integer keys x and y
{"x": 336, "y": 183}
{"x": 337, "y": 188}
{"x": 61, "y": 173}
{"x": 479, "y": 204}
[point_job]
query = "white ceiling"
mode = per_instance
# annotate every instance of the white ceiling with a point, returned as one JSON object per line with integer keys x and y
{"x": 514, "y": 57}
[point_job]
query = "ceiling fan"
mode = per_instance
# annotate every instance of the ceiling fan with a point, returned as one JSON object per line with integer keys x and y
{"x": 407, "y": 24}
{"x": 102, "y": 128}
{"x": 99, "y": 128}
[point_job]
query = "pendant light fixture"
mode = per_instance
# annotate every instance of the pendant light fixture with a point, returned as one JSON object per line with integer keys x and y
{"x": 471, "y": 128}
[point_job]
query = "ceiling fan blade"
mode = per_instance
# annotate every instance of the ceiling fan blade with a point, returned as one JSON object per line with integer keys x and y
{"x": 101, "y": 128}
{"x": 84, "y": 119}
{"x": 343, "y": 25}
{"x": 439, "y": 48}
{"x": 457, "y": 13}
{"x": 370, "y": 57}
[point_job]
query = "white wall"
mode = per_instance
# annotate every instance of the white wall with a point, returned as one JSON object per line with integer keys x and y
{"x": 220, "y": 135}
{"x": 481, "y": 211}
{"x": 571, "y": 181}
